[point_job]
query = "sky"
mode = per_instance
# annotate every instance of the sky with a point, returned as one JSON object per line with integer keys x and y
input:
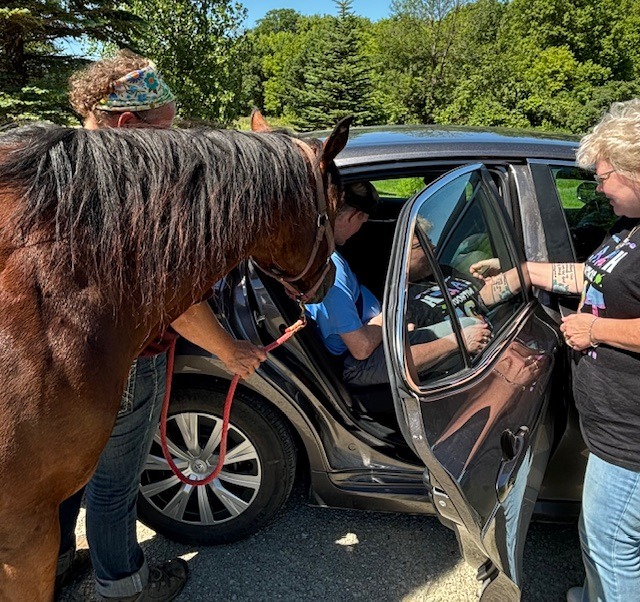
{"x": 373, "y": 9}
{"x": 256, "y": 9}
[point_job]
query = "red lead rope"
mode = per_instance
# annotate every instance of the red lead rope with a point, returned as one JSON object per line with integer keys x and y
{"x": 288, "y": 333}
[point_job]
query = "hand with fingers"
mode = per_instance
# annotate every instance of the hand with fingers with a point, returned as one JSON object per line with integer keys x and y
{"x": 242, "y": 358}
{"x": 476, "y": 337}
{"x": 577, "y": 330}
{"x": 485, "y": 268}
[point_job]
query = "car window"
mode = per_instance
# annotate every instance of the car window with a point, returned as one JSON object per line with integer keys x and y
{"x": 455, "y": 228}
{"x": 370, "y": 261}
{"x": 589, "y": 214}
{"x": 398, "y": 188}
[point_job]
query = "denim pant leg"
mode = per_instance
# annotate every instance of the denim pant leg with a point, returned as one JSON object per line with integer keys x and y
{"x": 372, "y": 371}
{"x": 68, "y": 514}
{"x": 610, "y": 532}
{"x": 117, "y": 558}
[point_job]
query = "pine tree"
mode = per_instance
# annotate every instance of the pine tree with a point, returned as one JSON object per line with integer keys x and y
{"x": 337, "y": 75}
{"x": 33, "y": 71}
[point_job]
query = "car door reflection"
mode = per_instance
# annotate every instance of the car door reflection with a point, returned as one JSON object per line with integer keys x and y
{"x": 517, "y": 371}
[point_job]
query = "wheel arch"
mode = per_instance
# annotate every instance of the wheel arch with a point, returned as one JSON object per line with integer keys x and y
{"x": 310, "y": 455}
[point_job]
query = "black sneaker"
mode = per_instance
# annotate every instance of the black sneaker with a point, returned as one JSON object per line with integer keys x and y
{"x": 165, "y": 583}
{"x": 78, "y": 568}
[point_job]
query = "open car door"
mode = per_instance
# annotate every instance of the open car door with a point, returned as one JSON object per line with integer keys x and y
{"x": 476, "y": 412}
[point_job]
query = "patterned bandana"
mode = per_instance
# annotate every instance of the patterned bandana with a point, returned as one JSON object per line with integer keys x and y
{"x": 139, "y": 90}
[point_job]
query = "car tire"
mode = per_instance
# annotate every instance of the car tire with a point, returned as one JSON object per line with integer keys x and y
{"x": 245, "y": 496}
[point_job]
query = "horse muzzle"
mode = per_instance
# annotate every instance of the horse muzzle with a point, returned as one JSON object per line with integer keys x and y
{"x": 318, "y": 292}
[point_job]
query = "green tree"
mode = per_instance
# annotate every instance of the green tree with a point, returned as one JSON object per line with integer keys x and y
{"x": 197, "y": 44}
{"x": 565, "y": 55}
{"x": 336, "y": 75}
{"x": 272, "y": 48}
{"x": 33, "y": 70}
{"x": 542, "y": 63}
{"x": 416, "y": 62}
{"x": 484, "y": 91}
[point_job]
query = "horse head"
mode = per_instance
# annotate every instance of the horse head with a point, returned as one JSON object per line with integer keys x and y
{"x": 299, "y": 256}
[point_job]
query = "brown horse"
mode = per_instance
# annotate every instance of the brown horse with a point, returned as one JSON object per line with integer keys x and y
{"x": 105, "y": 237}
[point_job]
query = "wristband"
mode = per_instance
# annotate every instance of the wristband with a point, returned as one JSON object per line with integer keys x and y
{"x": 594, "y": 345}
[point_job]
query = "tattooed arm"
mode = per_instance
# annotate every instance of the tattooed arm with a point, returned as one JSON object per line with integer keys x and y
{"x": 563, "y": 278}
{"x": 500, "y": 287}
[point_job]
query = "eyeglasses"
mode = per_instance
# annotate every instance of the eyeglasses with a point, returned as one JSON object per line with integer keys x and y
{"x": 602, "y": 178}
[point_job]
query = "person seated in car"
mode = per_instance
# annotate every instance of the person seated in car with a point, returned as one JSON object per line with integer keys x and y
{"x": 349, "y": 317}
{"x": 426, "y": 304}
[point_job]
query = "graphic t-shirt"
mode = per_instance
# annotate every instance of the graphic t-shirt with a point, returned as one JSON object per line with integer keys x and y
{"x": 606, "y": 379}
{"x": 346, "y": 307}
{"x": 426, "y": 305}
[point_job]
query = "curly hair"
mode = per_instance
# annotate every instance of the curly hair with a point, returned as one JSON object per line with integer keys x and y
{"x": 616, "y": 140}
{"x": 89, "y": 85}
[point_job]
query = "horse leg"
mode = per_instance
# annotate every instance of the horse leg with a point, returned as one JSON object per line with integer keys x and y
{"x": 28, "y": 562}
{"x": 34, "y": 479}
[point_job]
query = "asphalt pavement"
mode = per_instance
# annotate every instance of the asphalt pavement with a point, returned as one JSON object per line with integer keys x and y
{"x": 320, "y": 555}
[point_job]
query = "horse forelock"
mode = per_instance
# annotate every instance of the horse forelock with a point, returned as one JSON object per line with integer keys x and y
{"x": 142, "y": 208}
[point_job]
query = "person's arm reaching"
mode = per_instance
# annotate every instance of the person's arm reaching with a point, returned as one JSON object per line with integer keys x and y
{"x": 563, "y": 278}
{"x": 200, "y": 326}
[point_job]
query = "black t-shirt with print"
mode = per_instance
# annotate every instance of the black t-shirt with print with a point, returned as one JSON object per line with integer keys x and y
{"x": 426, "y": 305}
{"x": 606, "y": 379}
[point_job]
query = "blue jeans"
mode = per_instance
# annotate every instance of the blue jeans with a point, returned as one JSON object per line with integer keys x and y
{"x": 610, "y": 532}
{"x": 118, "y": 560}
{"x": 371, "y": 371}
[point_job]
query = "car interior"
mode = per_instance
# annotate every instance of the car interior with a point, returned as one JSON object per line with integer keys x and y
{"x": 588, "y": 213}
{"x": 368, "y": 254}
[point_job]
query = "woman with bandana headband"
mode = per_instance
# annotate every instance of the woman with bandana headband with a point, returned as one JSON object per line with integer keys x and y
{"x": 128, "y": 91}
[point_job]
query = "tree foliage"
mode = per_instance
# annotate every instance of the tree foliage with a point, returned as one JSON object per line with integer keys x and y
{"x": 416, "y": 57}
{"x": 196, "y": 45}
{"x": 552, "y": 64}
{"x": 33, "y": 71}
{"x": 335, "y": 75}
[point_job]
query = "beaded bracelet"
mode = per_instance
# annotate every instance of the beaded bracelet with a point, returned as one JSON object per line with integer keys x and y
{"x": 594, "y": 345}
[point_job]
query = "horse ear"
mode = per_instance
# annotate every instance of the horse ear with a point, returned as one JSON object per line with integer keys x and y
{"x": 258, "y": 122}
{"x": 335, "y": 142}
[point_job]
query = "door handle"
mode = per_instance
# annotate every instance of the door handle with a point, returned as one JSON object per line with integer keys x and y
{"x": 513, "y": 446}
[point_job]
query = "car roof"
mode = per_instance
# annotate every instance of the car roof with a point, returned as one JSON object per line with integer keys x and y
{"x": 378, "y": 144}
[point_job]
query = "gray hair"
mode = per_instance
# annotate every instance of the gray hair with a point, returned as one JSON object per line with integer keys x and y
{"x": 616, "y": 139}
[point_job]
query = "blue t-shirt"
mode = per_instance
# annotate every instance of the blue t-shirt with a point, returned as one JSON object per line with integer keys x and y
{"x": 338, "y": 313}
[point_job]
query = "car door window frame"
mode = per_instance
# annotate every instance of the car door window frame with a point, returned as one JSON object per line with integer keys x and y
{"x": 552, "y": 216}
{"x": 401, "y": 252}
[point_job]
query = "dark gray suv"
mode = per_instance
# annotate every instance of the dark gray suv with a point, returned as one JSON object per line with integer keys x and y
{"x": 483, "y": 441}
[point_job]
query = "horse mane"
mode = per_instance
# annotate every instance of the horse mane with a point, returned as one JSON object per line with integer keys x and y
{"x": 141, "y": 206}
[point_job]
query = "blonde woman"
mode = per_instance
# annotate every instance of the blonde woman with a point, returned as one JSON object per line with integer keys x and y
{"x": 605, "y": 333}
